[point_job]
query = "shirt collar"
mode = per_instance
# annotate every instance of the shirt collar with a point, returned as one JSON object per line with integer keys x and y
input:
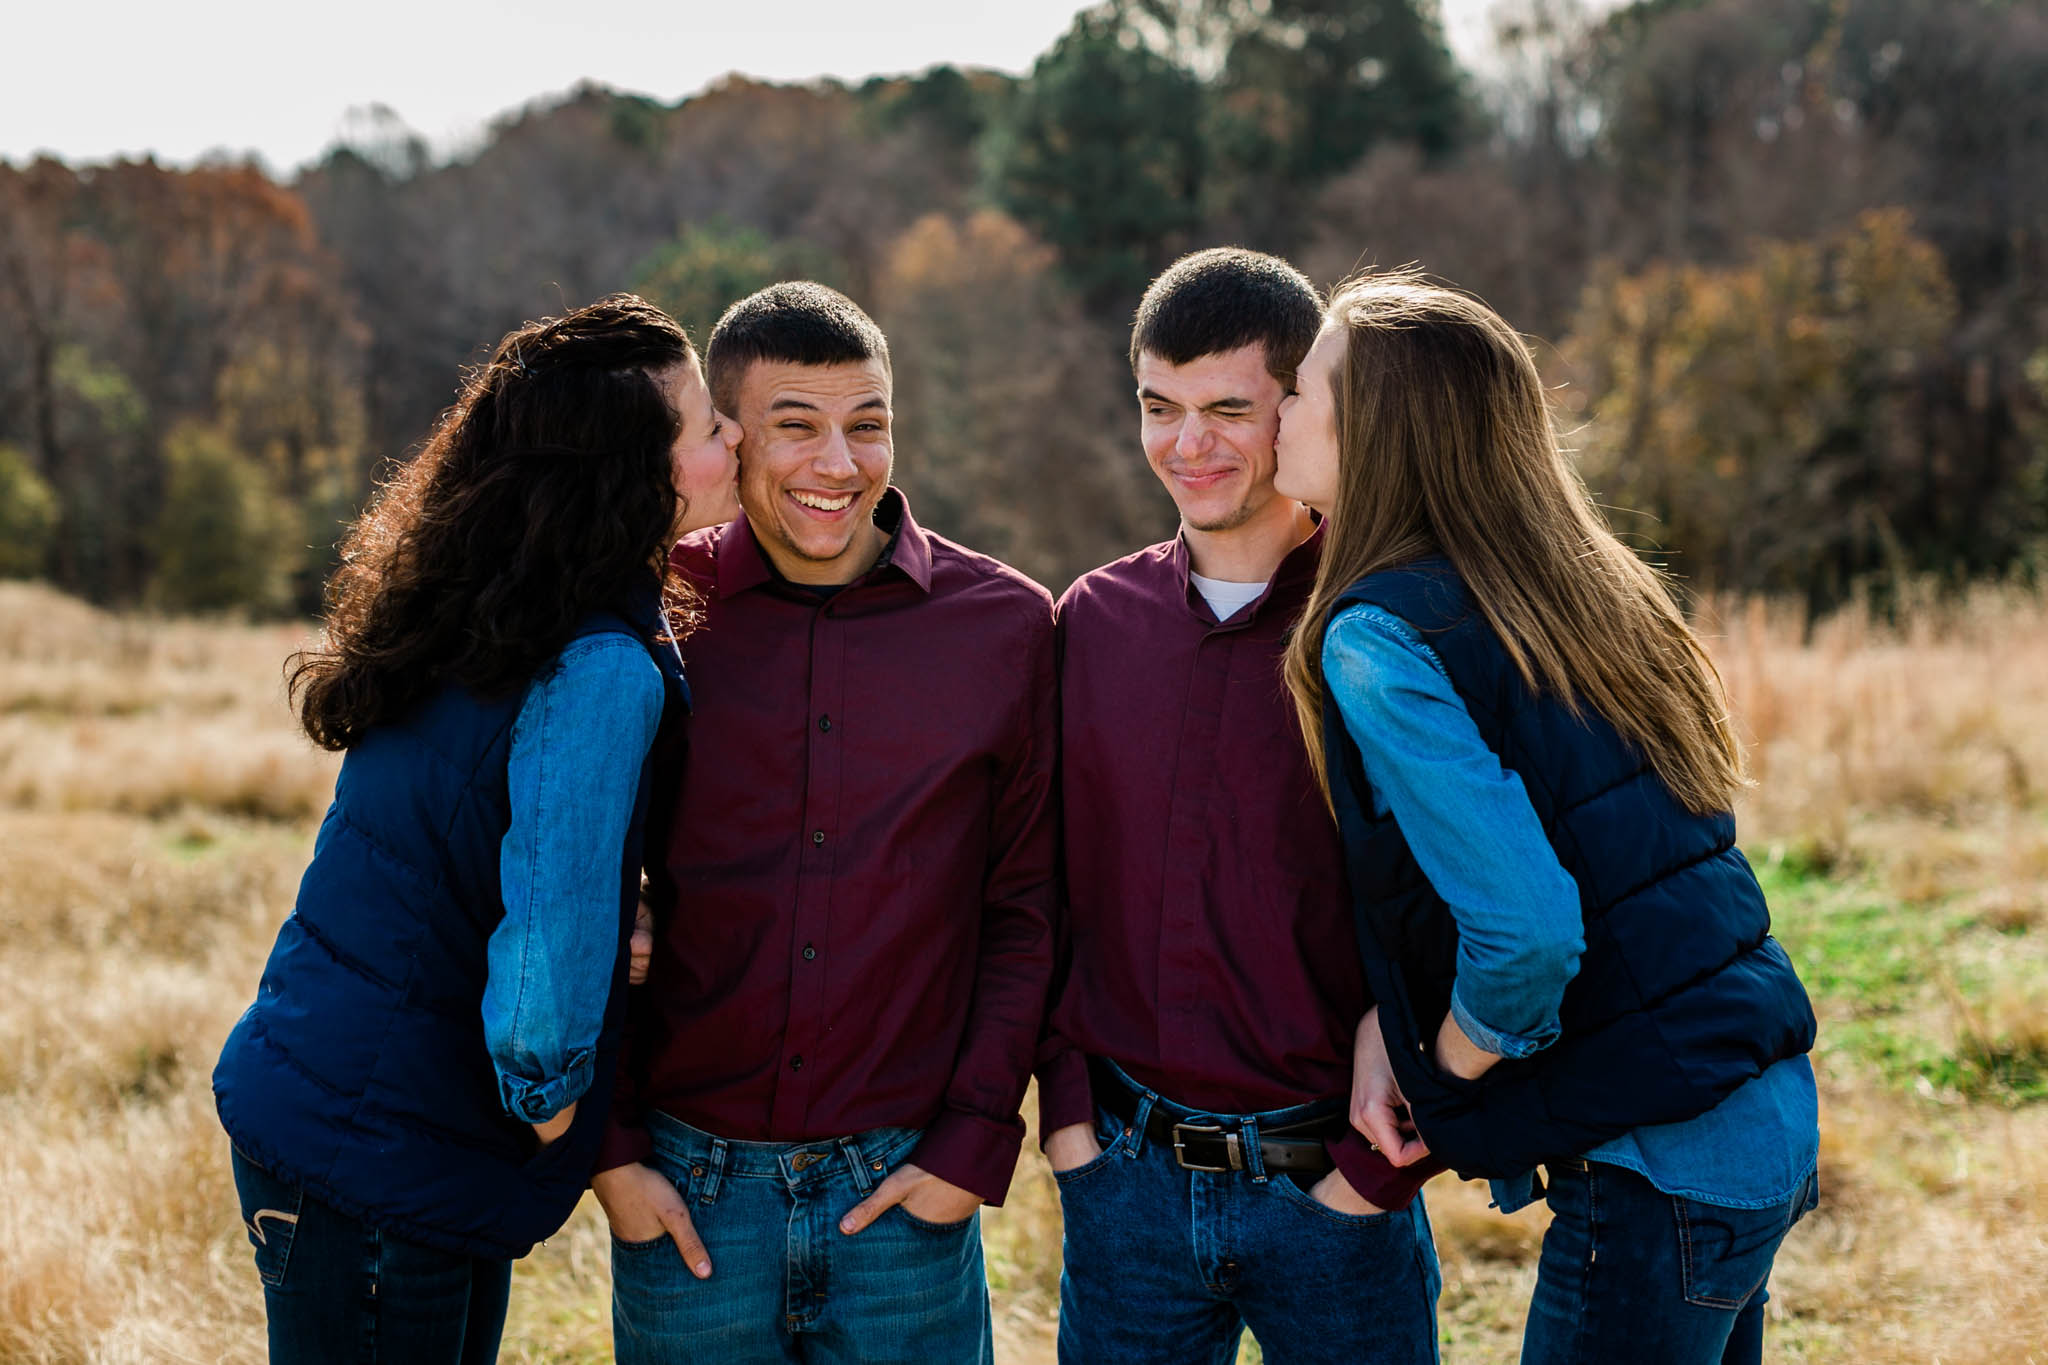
{"x": 1296, "y": 573}
{"x": 743, "y": 564}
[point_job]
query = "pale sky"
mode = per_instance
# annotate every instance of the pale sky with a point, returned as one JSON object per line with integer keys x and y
{"x": 97, "y": 79}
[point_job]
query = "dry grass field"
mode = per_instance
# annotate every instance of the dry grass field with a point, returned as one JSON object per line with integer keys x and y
{"x": 156, "y": 807}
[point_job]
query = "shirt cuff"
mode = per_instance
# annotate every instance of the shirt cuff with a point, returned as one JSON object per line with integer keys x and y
{"x": 1065, "y": 1095}
{"x": 539, "y": 1101}
{"x": 1515, "y": 1193}
{"x": 1377, "y": 1180}
{"x": 622, "y": 1145}
{"x": 976, "y": 1153}
{"x": 1499, "y": 1043}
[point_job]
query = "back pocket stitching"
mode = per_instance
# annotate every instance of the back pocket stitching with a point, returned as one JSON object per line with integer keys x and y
{"x": 286, "y": 1234}
{"x": 1685, "y": 1266}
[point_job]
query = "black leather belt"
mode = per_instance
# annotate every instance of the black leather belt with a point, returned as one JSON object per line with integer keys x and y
{"x": 1216, "y": 1143}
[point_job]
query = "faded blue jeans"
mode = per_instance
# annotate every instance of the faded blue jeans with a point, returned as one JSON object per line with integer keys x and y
{"x": 786, "y": 1284}
{"x": 337, "y": 1289}
{"x": 1170, "y": 1265}
{"x": 1631, "y": 1273}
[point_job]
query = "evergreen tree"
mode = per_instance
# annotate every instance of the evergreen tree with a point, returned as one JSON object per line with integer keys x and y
{"x": 1301, "y": 90}
{"x": 221, "y": 535}
{"x": 28, "y": 516}
{"x": 1103, "y": 156}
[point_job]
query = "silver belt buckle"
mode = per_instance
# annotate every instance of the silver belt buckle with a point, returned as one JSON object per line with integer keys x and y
{"x": 1233, "y": 1146}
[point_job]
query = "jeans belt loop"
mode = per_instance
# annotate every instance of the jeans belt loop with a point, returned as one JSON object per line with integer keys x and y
{"x": 715, "y": 1165}
{"x": 1254, "y": 1154}
{"x": 1139, "y": 1117}
{"x": 857, "y": 1161}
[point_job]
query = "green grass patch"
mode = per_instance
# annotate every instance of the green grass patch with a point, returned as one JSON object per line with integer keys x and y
{"x": 190, "y": 836}
{"x": 1898, "y": 987}
{"x": 2012, "y": 1072}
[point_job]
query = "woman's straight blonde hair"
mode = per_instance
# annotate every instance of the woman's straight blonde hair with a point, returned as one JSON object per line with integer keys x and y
{"x": 1445, "y": 444}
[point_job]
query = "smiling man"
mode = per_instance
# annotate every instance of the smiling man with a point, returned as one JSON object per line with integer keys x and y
{"x": 852, "y": 882}
{"x": 1194, "y": 1075}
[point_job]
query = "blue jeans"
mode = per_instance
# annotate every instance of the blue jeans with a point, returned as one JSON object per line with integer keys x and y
{"x": 337, "y": 1289}
{"x": 786, "y": 1284}
{"x": 1631, "y": 1273}
{"x": 1170, "y": 1265}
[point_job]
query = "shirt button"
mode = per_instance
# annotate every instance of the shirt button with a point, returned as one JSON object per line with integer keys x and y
{"x": 817, "y": 836}
{"x": 809, "y": 952}
{"x": 796, "y": 1064}
{"x": 824, "y": 722}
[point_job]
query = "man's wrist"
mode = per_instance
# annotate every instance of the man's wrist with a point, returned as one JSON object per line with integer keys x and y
{"x": 1065, "y": 1096}
{"x": 623, "y": 1144}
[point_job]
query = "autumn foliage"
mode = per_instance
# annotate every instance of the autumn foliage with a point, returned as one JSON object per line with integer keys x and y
{"x": 1788, "y": 260}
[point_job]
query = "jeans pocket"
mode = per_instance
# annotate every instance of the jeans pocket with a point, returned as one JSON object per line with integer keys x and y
{"x": 270, "y": 1215}
{"x": 1725, "y": 1255}
{"x": 1087, "y": 1168}
{"x": 687, "y": 1178}
{"x": 1293, "y": 1192}
{"x": 942, "y": 1228}
{"x": 1111, "y": 1135}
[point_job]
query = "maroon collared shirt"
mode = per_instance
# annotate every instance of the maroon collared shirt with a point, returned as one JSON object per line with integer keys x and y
{"x": 853, "y": 875}
{"x": 1210, "y": 947}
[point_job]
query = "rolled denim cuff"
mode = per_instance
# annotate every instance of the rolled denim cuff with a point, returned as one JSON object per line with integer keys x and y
{"x": 538, "y": 1101}
{"x": 1499, "y": 1042}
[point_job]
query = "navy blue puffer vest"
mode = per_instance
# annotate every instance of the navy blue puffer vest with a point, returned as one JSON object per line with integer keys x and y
{"x": 361, "y": 1073}
{"x": 1682, "y": 994}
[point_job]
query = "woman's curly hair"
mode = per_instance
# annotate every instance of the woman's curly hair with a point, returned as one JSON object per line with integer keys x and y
{"x": 544, "y": 493}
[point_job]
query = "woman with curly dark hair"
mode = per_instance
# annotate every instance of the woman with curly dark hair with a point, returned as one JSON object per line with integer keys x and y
{"x": 417, "y": 1095}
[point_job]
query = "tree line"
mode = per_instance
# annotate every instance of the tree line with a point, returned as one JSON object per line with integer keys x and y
{"x": 1787, "y": 262}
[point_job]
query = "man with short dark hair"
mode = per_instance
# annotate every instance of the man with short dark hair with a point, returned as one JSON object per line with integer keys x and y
{"x": 853, "y": 883}
{"x": 1198, "y": 1057}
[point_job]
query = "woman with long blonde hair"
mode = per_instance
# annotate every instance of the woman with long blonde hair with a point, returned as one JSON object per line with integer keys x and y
{"x": 1530, "y": 757}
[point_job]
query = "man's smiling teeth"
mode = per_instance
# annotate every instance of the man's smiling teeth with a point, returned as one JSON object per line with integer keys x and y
{"x": 824, "y": 504}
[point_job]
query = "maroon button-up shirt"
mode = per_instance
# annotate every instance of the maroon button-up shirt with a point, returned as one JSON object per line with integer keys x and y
{"x": 1211, "y": 948}
{"x": 853, "y": 872}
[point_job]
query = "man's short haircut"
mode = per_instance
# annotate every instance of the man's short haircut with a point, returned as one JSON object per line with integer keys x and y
{"x": 798, "y": 323}
{"x": 1223, "y": 298}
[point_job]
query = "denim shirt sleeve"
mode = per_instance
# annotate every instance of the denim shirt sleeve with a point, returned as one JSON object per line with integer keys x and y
{"x": 1471, "y": 827}
{"x": 573, "y": 776}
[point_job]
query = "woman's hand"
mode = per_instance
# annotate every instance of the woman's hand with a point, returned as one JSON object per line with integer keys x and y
{"x": 640, "y": 946}
{"x": 1459, "y": 1055}
{"x": 1072, "y": 1147}
{"x": 547, "y": 1130}
{"x": 1378, "y": 1109}
{"x": 641, "y": 1205}
{"x": 923, "y": 1196}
